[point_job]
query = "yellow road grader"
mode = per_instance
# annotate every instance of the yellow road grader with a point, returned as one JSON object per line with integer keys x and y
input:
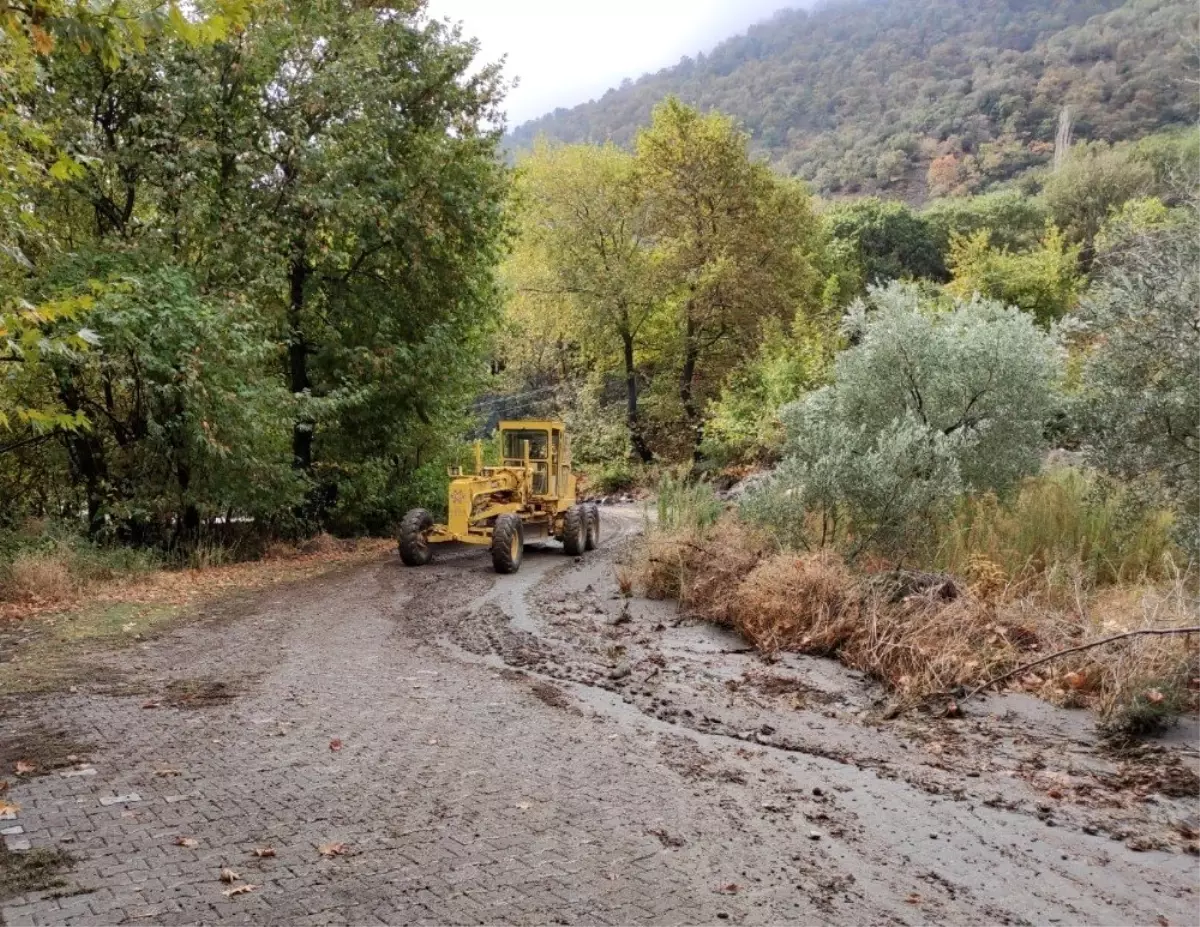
{"x": 530, "y": 496}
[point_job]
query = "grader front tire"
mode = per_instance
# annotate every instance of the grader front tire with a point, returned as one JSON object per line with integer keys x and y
{"x": 508, "y": 544}
{"x": 415, "y": 549}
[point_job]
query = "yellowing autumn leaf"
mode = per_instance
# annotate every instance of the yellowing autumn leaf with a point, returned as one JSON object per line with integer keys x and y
{"x": 333, "y": 849}
{"x": 43, "y": 41}
{"x": 228, "y": 875}
{"x": 239, "y": 890}
{"x": 187, "y": 842}
{"x": 264, "y": 851}
{"x": 24, "y": 768}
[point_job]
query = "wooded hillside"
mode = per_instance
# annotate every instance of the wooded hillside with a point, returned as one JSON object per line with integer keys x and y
{"x": 914, "y": 97}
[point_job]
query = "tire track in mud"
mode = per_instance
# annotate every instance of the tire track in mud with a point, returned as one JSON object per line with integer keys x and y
{"x": 898, "y": 805}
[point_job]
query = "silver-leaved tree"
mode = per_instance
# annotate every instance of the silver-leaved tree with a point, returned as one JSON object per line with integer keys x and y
{"x": 931, "y": 399}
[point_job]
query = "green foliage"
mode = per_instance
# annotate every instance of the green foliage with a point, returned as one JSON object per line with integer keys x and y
{"x": 736, "y": 255}
{"x": 884, "y": 240}
{"x": 1067, "y": 523}
{"x": 861, "y": 97}
{"x": 925, "y": 402}
{"x": 1015, "y": 221}
{"x": 1043, "y": 281}
{"x": 282, "y": 221}
{"x": 1095, "y": 180}
{"x": 1174, "y": 157}
{"x": 1134, "y": 218}
{"x": 1139, "y": 404}
{"x": 743, "y": 424}
{"x": 683, "y": 504}
{"x": 625, "y": 273}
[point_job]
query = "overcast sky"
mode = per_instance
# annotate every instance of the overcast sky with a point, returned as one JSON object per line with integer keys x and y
{"x": 566, "y": 52}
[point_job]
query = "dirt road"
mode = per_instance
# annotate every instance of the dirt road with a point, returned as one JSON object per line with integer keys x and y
{"x": 443, "y": 745}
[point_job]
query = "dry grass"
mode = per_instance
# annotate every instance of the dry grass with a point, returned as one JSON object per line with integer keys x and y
{"x": 956, "y": 635}
{"x": 40, "y": 577}
{"x": 46, "y": 583}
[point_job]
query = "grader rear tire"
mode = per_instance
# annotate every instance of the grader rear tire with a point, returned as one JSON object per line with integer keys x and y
{"x": 508, "y": 543}
{"x": 574, "y": 537}
{"x": 592, "y": 538}
{"x": 415, "y": 549}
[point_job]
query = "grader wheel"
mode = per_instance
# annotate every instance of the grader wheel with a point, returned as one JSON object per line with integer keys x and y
{"x": 508, "y": 543}
{"x": 592, "y": 537}
{"x": 415, "y": 549}
{"x": 574, "y": 537}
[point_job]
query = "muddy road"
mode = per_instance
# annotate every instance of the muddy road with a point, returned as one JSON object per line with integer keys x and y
{"x": 443, "y": 745}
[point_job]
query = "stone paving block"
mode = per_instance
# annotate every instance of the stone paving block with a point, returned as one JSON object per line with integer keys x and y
{"x": 107, "y": 800}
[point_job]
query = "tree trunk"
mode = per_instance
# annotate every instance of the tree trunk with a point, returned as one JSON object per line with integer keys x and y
{"x": 636, "y": 438}
{"x": 298, "y": 382}
{"x": 86, "y": 454}
{"x": 687, "y": 379}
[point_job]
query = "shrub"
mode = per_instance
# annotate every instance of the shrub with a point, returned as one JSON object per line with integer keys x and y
{"x": 1014, "y": 220}
{"x": 887, "y": 240}
{"x": 47, "y": 562}
{"x": 924, "y": 404}
{"x": 685, "y": 505}
{"x": 744, "y": 425}
{"x": 1095, "y": 180}
{"x": 1044, "y": 280}
{"x": 1139, "y": 402}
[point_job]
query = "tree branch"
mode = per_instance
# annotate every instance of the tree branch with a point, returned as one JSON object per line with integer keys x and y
{"x": 1159, "y": 632}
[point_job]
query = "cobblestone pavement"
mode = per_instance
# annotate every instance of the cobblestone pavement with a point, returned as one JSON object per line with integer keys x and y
{"x": 410, "y": 724}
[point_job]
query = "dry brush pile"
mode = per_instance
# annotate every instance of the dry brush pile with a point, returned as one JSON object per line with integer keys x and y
{"x": 924, "y": 634}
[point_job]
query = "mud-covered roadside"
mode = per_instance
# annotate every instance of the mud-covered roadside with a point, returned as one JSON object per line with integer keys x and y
{"x": 1016, "y": 811}
{"x": 537, "y": 749}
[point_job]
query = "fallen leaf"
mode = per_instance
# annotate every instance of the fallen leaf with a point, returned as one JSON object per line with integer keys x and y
{"x": 523, "y": 805}
{"x": 731, "y": 889}
{"x": 1055, "y": 793}
{"x": 166, "y": 772}
{"x": 239, "y": 890}
{"x": 228, "y": 875}
{"x": 334, "y": 849}
{"x": 1075, "y": 680}
{"x": 24, "y": 768}
{"x": 187, "y": 842}
{"x": 264, "y": 851}
{"x": 432, "y": 741}
{"x": 1163, "y": 922}
{"x": 9, "y": 808}
{"x": 913, "y": 898}
{"x": 3, "y": 786}
{"x": 1152, "y": 695}
{"x": 150, "y": 704}
{"x": 335, "y": 745}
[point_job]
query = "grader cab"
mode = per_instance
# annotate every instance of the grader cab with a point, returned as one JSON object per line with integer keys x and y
{"x": 529, "y": 496}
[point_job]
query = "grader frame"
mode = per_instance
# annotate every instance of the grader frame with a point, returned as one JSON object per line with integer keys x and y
{"x": 529, "y": 496}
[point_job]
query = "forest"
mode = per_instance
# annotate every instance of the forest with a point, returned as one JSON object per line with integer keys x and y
{"x": 920, "y": 98}
{"x": 265, "y": 272}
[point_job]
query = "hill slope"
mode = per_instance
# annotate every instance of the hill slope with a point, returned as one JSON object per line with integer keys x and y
{"x": 866, "y": 95}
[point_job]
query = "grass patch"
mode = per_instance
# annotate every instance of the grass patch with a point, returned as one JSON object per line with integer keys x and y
{"x": 31, "y": 871}
{"x": 1068, "y": 526}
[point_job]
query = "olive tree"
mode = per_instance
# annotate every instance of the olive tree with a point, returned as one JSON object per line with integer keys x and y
{"x": 929, "y": 401}
{"x": 1140, "y": 397}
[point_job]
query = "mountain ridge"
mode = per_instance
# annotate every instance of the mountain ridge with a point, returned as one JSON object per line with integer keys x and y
{"x": 942, "y": 95}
